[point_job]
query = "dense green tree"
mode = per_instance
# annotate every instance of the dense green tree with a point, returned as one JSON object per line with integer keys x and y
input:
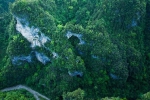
{"x": 100, "y": 46}
{"x": 75, "y": 95}
{"x": 19, "y": 95}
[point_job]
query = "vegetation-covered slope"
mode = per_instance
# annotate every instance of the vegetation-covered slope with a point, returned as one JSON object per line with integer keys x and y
{"x": 59, "y": 46}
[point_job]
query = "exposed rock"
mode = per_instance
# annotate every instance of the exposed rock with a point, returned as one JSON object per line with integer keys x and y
{"x": 113, "y": 76}
{"x": 75, "y": 73}
{"x": 17, "y": 60}
{"x": 79, "y": 36}
{"x": 42, "y": 58}
{"x": 94, "y": 56}
{"x": 33, "y": 35}
{"x": 55, "y": 55}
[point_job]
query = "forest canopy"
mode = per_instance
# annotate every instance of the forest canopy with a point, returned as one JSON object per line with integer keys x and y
{"x": 75, "y": 49}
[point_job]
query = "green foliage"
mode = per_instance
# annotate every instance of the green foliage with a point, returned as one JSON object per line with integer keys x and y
{"x": 75, "y": 95}
{"x": 113, "y": 98}
{"x": 145, "y": 96}
{"x": 114, "y": 59}
{"x": 16, "y": 95}
{"x": 18, "y": 45}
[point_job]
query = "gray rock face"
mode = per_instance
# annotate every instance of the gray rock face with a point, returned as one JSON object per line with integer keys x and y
{"x": 33, "y": 35}
{"x": 55, "y": 55}
{"x": 115, "y": 77}
{"x": 79, "y": 36}
{"x": 134, "y": 23}
{"x": 95, "y": 57}
{"x": 36, "y": 38}
{"x": 42, "y": 58}
{"x": 17, "y": 60}
{"x": 75, "y": 73}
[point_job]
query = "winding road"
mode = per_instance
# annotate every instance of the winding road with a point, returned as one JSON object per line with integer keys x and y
{"x": 36, "y": 94}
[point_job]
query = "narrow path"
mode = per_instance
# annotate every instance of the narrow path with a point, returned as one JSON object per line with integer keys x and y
{"x": 36, "y": 94}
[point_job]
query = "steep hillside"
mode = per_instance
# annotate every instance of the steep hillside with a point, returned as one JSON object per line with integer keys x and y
{"x": 89, "y": 49}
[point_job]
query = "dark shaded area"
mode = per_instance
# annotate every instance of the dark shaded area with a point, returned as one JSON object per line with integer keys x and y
{"x": 74, "y": 40}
